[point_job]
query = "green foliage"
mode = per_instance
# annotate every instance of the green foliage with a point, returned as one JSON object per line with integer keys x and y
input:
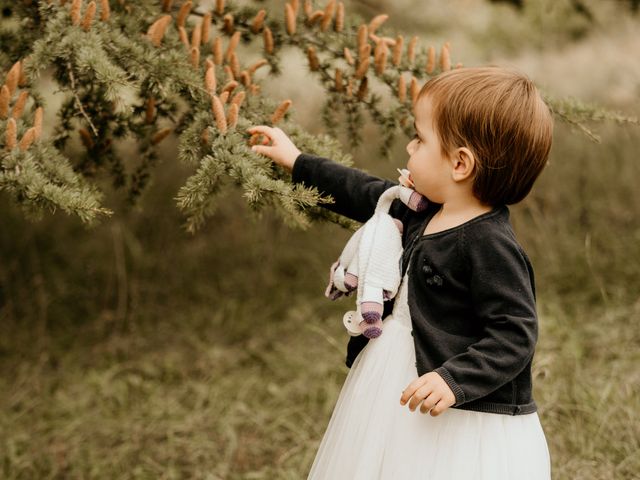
{"x": 577, "y": 113}
{"x": 110, "y": 72}
{"x": 41, "y": 179}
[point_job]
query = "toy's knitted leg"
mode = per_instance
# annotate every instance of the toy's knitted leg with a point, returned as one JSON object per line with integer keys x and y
{"x": 386, "y": 294}
{"x": 417, "y": 202}
{"x": 341, "y": 281}
{"x": 371, "y": 325}
{"x": 379, "y": 254}
{"x": 413, "y": 199}
{"x": 351, "y": 274}
{"x": 371, "y": 304}
{"x": 382, "y": 275}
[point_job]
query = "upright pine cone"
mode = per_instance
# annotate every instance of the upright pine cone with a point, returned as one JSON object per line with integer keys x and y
{"x": 13, "y": 77}
{"x": 5, "y": 98}
{"x": 10, "y": 134}
{"x": 185, "y": 9}
{"x": 18, "y": 107}
{"x": 27, "y": 139}
{"x": 445, "y": 59}
{"x": 290, "y": 19}
{"x": 280, "y": 111}
{"x": 268, "y": 40}
{"x": 258, "y": 21}
{"x": 105, "y": 10}
{"x": 158, "y": 28}
{"x": 37, "y": 121}
{"x": 76, "y": 7}
{"x": 327, "y": 15}
{"x": 314, "y": 63}
{"x": 88, "y": 16}
{"x": 218, "y": 113}
{"x": 411, "y": 49}
{"x": 233, "y": 115}
{"x": 397, "y": 50}
{"x": 431, "y": 60}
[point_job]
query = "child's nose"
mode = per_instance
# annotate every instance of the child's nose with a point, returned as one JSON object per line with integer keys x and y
{"x": 410, "y": 147}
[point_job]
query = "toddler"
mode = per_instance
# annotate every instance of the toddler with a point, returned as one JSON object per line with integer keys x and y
{"x": 460, "y": 335}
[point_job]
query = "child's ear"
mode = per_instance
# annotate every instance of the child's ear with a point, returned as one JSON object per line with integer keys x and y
{"x": 463, "y": 163}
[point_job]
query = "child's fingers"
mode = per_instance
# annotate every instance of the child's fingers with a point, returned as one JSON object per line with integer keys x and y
{"x": 428, "y": 403}
{"x": 423, "y": 392}
{"x": 262, "y": 149}
{"x": 411, "y": 389}
{"x": 440, "y": 407}
{"x": 259, "y": 138}
{"x": 258, "y": 128}
{"x": 268, "y": 131}
{"x": 430, "y": 389}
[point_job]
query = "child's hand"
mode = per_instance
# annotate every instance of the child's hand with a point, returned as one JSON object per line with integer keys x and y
{"x": 282, "y": 150}
{"x": 431, "y": 388}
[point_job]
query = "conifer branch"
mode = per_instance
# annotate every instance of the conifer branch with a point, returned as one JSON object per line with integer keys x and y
{"x": 184, "y": 82}
{"x": 74, "y": 91}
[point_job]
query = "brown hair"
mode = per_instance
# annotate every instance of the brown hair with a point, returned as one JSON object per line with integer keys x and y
{"x": 499, "y": 115}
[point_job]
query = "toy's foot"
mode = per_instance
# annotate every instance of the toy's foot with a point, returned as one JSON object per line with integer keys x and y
{"x": 371, "y": 330}
{"x": 350, "y": 281}
{"x": 371, "y": 311}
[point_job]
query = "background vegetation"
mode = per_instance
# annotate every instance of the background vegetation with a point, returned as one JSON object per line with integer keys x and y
{"x": 134, "y": 350}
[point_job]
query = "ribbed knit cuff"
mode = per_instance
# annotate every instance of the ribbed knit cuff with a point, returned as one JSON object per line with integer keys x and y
{"x": 455, "y": 388}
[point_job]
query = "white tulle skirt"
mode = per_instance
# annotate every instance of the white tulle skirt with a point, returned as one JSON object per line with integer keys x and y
{"x": 371, "y": 436}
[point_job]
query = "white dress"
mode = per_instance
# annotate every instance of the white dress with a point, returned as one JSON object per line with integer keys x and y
{"x": 372, "y": 437}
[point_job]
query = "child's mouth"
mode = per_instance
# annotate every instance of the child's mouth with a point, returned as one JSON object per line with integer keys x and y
{"x": 406, "y": 175}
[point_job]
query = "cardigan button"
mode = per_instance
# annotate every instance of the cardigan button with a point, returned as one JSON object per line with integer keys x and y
{"x": 518, "y": 409}
{"x": 412, "y": 333}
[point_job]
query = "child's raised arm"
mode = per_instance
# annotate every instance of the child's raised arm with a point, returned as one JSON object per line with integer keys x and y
{"x": 355, "y": 192}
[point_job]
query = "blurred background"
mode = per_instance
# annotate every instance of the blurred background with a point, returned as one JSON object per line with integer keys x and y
{"x": 136, "y": 350}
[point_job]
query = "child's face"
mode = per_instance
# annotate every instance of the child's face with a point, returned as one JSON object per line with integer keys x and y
{"x": 430, "y": 170}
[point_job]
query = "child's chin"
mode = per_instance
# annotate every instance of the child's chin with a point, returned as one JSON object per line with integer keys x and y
{"x": 425, "y": 195}
{"x": 416, "y": 189}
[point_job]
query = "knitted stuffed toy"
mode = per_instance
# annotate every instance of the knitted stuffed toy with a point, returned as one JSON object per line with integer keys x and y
{"x": 370, "y": 262}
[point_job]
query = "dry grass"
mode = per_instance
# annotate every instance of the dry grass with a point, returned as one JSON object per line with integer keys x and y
{"x": 211, "y": 375}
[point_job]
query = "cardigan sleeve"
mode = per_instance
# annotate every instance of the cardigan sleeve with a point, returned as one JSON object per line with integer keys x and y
{"x": 355, "y": 192}
{"x": 503, "y": 300}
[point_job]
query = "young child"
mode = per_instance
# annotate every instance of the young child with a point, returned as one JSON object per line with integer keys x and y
{"x": 460, "y": 339}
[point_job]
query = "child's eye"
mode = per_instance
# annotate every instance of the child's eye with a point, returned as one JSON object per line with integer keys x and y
{"x": 416, "y": 137}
